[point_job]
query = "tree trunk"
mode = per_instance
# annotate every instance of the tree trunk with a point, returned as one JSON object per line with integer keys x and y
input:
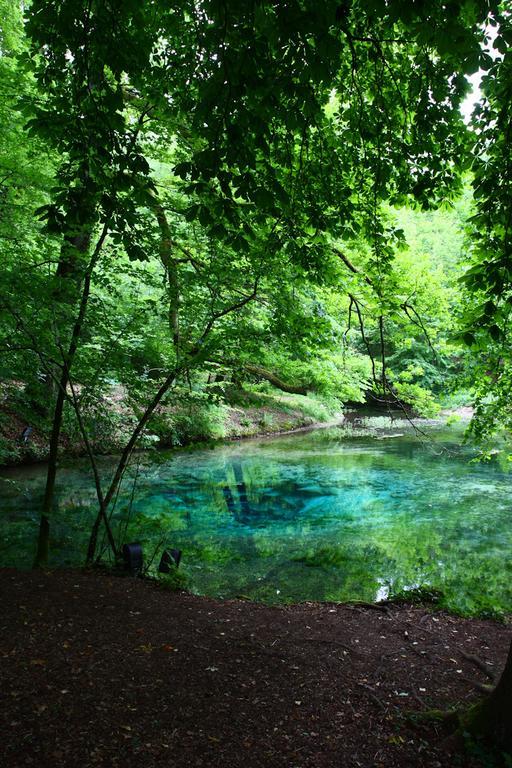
{"x": 41, "y": 558}
{"x": 93, "y": 537}
{"x": 97, "y": 480}
{"x": 43, "y": 539}
{"x": 123, "y": 462}
{"x": 492, "y": 717}
{"x": 171, "y": 271}
{"x": 292, "y": 389}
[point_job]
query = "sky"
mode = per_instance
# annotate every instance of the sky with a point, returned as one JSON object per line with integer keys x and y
{"x": 473, "y": 97}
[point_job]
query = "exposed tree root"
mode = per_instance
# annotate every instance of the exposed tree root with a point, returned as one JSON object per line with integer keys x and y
{"x": 480, "y": 664}
{"x": 480, "y": 721}
{"x": 446, "y": 716}
{"x": 483, "y": 687}
{"x": 450, "y": 719}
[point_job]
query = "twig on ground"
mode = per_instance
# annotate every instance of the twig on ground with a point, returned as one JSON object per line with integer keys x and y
{"x": 372, "y": 696}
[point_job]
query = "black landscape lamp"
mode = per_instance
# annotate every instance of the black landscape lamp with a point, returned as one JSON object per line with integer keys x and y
{"x": 132, "y": 556}
{"x": 170, "y": 558}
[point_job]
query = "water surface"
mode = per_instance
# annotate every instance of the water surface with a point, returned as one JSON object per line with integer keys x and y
{"x": 311, "y": 516}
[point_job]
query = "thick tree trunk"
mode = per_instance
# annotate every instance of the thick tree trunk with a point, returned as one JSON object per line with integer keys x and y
{"x": 292, "y": 389}
{"x": 492, "y": 717}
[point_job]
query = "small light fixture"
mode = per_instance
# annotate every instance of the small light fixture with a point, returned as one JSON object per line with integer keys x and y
{"x": 170, "y": 558}
{"x": 132, "y": 556}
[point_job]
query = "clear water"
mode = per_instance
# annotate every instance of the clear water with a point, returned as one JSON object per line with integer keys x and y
{"x": 312, "y": 516}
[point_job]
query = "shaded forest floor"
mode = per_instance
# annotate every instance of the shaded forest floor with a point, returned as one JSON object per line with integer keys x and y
{"x": 99, "y": 670}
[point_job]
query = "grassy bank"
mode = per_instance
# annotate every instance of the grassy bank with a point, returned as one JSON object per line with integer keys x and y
{"x": 237, "y": 414}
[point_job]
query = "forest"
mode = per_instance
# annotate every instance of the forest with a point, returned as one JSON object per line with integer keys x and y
{"x": 223, "y": 220}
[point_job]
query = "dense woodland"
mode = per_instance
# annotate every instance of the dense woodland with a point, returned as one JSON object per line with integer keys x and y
{"x": 210, "y": 205}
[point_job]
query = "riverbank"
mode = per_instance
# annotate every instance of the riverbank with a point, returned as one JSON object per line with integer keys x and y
{"x": 244, "y": 413}
{"x": 100, "y": 670}
{"x": 247, "y": 413}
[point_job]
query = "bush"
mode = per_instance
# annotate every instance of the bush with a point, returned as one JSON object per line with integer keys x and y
{"x": 174, "y": 581}
{"x": 199, "y": 421}
{"x": 420, "y": 399}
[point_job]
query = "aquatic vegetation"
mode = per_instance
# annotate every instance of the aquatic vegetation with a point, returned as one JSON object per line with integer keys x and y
{"x": 313, "y": 516}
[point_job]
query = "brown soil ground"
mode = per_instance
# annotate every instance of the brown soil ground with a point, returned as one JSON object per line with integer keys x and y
{"x": 99, "y": 670}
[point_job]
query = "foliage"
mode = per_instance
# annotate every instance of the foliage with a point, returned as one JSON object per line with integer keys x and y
{"x": 488, "y": 280}
{"x": 198, "y": 421}
{"x": 421, "y": 595}
{"x": 174, "y": 581}
{"x": 211, "y": 190}
{"x": 169, "y": 227}
{"x": 417, "y": 397}
{"x": 120, "y": 126}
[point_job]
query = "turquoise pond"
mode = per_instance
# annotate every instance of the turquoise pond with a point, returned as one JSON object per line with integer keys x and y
{"x": 331, "y": 514}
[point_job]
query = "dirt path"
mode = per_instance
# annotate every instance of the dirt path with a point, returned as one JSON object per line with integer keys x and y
{"x": 99, "y": 670}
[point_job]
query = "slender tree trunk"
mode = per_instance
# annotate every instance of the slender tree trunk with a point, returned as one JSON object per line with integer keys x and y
{"x": 124, "y": 459}
{"x": 43, "y": 541}
{"x": 97, "y": 480}
{"x": 198, "y": 354}
{"x": 171, "y": 271}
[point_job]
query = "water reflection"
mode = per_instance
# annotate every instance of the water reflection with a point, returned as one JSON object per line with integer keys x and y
{"x": 315, "y": 516}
